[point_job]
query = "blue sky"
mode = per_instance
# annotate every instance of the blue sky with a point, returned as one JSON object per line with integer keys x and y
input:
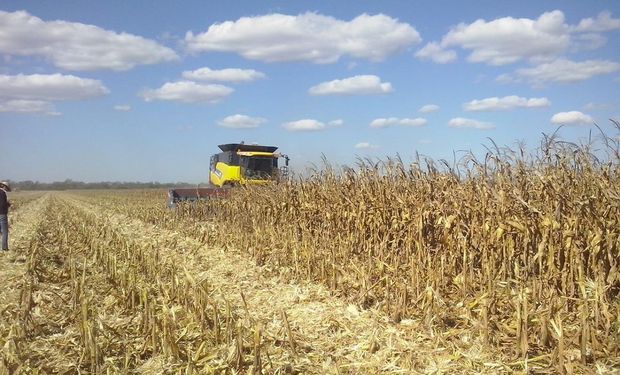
{"x": 145, "y": 91}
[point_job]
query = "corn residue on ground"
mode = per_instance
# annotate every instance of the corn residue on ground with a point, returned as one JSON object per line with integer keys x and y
{"x": 502, "y": 265}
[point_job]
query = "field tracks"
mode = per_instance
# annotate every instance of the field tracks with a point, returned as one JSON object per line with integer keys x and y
{"x": 301, "y": 327}
{"x": 111, "y": 284}
{"x": 24, "y": 221}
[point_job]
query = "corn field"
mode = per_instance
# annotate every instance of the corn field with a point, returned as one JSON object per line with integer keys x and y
{"x": 501, "y": 264}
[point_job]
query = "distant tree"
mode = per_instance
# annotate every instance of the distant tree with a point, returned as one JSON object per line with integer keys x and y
{"x": 69, "y": 184}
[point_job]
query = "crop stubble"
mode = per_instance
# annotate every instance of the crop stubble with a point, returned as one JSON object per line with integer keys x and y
{"x": 515, "y": 256}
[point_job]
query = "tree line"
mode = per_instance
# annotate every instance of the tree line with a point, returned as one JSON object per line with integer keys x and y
{"x": 79, "y": 185}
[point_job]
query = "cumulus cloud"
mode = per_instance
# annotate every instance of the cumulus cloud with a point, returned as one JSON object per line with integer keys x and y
{"x": 591, "y": 106}
{"x": 504, "y": 40}
{"x": 241, "y": 122}
{"x": 603, "y": 22}
{"x": 77, "y": 46}
{"x": 224, "y": 75}
{"x": 188, "y": 92}
{"x": 587, "y": 42}
{"x": 508, "y": 40}
{"x": 27, "y": 106}
{"x": 122, "y": 108}
{"x": 306, "y": 37}
{"x": 386, "y": 122}
{"x": 357, "y": 85}
{"x": 433, "y": 51}
{"x": 587, "y": 35}
{"x": 336, "y": 123}
{"x": 562, "y": 70}
{"x": 184, "y": 128}
{"x": 428, "y": 108}
{"x": 460, "y": 122}
{"x": 414, "y": 122}
{"x": 305, "y": 125}
{"x": 366, "y": 146}
{"x": 571, "y": 118}
{"x": 50, "y": 87}
{"x": 506, "y": 103}
{"x": 36, "y": 93}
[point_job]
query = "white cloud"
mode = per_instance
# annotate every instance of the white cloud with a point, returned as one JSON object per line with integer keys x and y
{"x": 508, "y": 40}
{"x": 603, "y": 22}
{"x": 36, "y": 93}
{"x": 506, "y": 78}
{"x": 122, "y": 108}
{"x": 336, "y": 123}
{"x": 357, "y": 85}
{"x": 414, "y": 122}
{"x": 506, "y": 103}
{"x": 572, "y": 118}
{"x": 49, "y": 87}
{"x": 591, "y": 106}
{"x": 504, "y": 40}
{"x": 306, "y": 37}
{"x": 562, "y": 71}
{"x": 77, "y": 46}
{"x": 460, "y": 122}
{"x": 184, "y": 128}
{"x": 304, "y": 125}
{"x": 433, "y": 51}
{"x": 241, "y": 122}
{"x": 385, "y": 122}
{"x": 587, "y": 34}
{"x": 188, "y": 92}
{"x": 428, "y": 108}
{"x": 366, "y": 146}
{"x": 224, "y": 75}
{"x": 27, "y": 106}
{"x": 587, "y": 42}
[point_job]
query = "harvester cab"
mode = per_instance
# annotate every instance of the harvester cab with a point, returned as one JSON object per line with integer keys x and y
{"x": 237, "y": 164}
{"x": 241, "y": 164}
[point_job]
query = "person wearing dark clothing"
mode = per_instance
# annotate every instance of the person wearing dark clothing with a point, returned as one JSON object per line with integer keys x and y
{"x": 4, "y": 214}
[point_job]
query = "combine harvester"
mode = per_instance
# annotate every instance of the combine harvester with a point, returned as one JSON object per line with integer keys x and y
{"x": 237, "y": 164}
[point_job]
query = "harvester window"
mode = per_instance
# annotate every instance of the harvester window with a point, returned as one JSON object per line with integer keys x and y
{"x": 214, "y": 160}
{"x": 258, "y": 168}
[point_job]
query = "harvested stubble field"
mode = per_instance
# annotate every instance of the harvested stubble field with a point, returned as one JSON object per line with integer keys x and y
{"x": 502, "y": 265}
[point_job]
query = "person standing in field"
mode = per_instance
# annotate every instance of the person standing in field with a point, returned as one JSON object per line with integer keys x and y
{"x": 4, "y": 214}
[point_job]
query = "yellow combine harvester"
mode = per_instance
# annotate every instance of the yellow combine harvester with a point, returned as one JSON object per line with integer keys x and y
{"x": 241, "y": 164}
{"x": 237, "y": 164}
